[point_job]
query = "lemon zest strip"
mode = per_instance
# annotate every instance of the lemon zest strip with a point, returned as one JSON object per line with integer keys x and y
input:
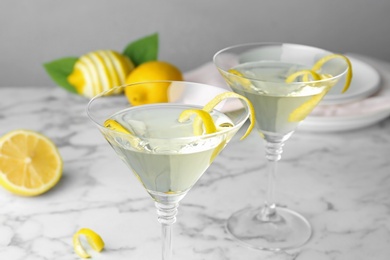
{"x": 93, "y": 239}
{"x": 304, "y": 73}
{"x": 204, "y": 116}
{"x": 317, "y": 66}
{"x": 114, "y": 125}
{"x": 217, "y": 99}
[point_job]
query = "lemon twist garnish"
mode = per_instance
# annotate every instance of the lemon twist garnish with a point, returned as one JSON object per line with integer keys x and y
{"x": 244, "y": 82}
{"x": 209, "y": 127}
{"x": 204, "y": 116}
{"x": 114, "y": 125}
{"x": 303, "y": 73}
{"x": 317, "y": 67}
{"x": 93, "y": 239}
{"x": 217, "y": 99}
{"x": 304, "y": 110}
{"x": 327, "y": 58}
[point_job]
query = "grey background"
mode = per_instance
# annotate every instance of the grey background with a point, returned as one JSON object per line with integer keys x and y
{"x": 36, "y": 31}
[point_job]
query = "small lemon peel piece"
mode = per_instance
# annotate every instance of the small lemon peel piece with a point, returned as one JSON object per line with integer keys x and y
{"x": 317, "y": 67}
{"x": 93, "y": 239}
{"x": 242, "y": 80}
{"x": 225, "y": 95}
{"x": 204, "y": 116}
{"x": 114, "y": 125}
{"x": 304, "y": 110}
{"x": 303, "y": 73}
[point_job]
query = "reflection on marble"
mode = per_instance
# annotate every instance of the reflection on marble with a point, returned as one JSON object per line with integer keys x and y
{"x": 339, "y": 181}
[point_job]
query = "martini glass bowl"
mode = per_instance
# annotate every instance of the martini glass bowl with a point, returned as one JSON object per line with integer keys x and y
{"x": 260, "y": 72}
{"x": 164, "y": 154}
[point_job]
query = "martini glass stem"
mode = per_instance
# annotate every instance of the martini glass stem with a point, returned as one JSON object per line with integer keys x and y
{"x": 273, "y": 150}
{"x": 166, "y": 216}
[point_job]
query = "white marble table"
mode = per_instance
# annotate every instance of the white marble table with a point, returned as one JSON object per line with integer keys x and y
{"x": 339, "y": 181}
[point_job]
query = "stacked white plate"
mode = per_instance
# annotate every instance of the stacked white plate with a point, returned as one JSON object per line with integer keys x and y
{"x": 366, "y": 82}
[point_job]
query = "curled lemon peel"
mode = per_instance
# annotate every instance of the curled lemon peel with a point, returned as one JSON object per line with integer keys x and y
{"x": 114, "y": 125}
{"x": 303, "y": 73}
{"x": 204, "y": 116}
{"x": 217, "y": 99}
{"x": 93, "y": 239}
{"x": 244, "y": 82}
{"x": 317, "y": 66}
{"x": 304, "y": 110}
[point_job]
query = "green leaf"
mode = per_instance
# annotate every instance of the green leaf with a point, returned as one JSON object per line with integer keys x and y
{"x": 59, "y": 70}
{"x": 143, "y": 50}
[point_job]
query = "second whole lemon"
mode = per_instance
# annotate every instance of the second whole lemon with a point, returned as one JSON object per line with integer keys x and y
{"x": 148, "y": 93}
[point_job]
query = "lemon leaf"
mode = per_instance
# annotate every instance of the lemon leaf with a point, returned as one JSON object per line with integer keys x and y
{"x": 59, "y": 70}
{"x": 142, "y": 50}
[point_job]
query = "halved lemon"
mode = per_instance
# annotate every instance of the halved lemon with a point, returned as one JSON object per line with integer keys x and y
{"x": 30, "y": 163}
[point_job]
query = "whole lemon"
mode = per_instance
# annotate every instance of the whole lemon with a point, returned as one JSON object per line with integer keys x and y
{"x": 99, "y": 71}
{"x": 151, "y": 92}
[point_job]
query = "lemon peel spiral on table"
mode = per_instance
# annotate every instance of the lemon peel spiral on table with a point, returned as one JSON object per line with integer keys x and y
{"x": 94, "y": 240}
{"x": 30, "y": 163}
{"x": 304, "y": 110}
{"x": 99, "y": 71}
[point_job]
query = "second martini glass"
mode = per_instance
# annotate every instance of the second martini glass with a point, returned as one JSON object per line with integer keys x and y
{"x": 164, "y": 154}
{"x": 278, "y": 80}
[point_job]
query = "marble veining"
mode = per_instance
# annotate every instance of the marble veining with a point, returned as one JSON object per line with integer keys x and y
{"x": 339, "y": 181}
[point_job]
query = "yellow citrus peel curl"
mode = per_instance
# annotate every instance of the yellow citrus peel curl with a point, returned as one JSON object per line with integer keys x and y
{"x": 205, "y": 117}
{"x": 93, "y": 239}
{"x": 302, "y": 111}
{"x": 327, "y": 58}
{"x": 313, "y": 72}
{"x": 219, "y": 98}
{"x": 114, "y": 125}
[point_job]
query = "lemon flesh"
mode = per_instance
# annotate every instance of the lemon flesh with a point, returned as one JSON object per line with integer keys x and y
{"x": 30, "y": 163}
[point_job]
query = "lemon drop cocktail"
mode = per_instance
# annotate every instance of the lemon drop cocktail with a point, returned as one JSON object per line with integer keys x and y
{"x": 169, "y": 145}
{"x": 284, "y": 82}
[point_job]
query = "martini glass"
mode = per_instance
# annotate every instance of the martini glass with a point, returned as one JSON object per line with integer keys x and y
{"x": 259, "y": 71}
{"x": 163, "y": 153}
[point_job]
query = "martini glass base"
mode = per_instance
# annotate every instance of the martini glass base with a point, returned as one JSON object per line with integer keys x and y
{"x": 286, "y": 229}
